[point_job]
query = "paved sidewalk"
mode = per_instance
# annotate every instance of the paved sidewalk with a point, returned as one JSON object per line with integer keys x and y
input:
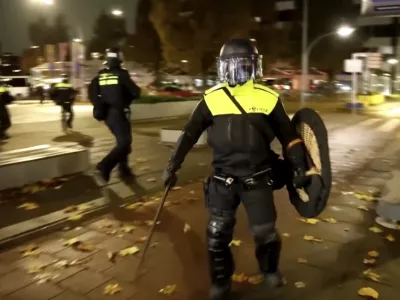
{"x": 330, "y": 268}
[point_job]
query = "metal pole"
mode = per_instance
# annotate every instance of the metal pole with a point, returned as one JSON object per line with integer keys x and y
{"x": 304, "y": 56}
{"x": 354, "y": 92}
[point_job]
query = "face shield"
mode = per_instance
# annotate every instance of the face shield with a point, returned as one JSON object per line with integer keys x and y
{"x": 238, "y": 70}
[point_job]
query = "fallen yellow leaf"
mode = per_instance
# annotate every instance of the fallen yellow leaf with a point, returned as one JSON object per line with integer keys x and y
{"x": 286, "y": 234}
{"x": 112, "y": 289}
{"x": 76, "y": 217}
{"x": 255, "y": 279}
{"x": 151, "y": 222}
{"x": 368, "y": 292}
{"x": 371, "y": 275}
{"x": 390, "y": 238}
{"x": 72, "y": 242}
{"x": 375, "y": 229}
{"x": 35, "y": 269}
{"x": 129, "y": 251}
{"x": 134, "y": 206}
{"x": 29, "y": 206}
{"x": 84, "y": 247}
{"x": 302, "y": 260}
{"x": 300, "y": 284}
{"x": 365, "y": 197}
{"x": 310, "y": 238}
{"x": 141, "y": 160}
{"x": 309, "y": 221}
{"x": 168, "y": 290}
{"x": 239, "y": 278}
{"x": 330, "y": 220}
{"x": 143, "y": 239}
{"x": 373, "y": 254}
{"x": 369, "y": 262}
{"x": 128, "y": 228}
{"x": 70, "y": 209}
{"x": 186, "y": 228}
{"x": 235, "y": 243}
{"x": 30, "y": 250}
{"x": 176, "y": 188}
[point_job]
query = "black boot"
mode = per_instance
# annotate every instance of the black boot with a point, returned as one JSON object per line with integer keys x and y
{"x": 220, "y": 291}
{"x": 268, "y": 260}
{"x": 102, "y": 177}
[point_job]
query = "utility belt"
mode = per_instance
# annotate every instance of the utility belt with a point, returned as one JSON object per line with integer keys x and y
{"x": 257, "y": 179}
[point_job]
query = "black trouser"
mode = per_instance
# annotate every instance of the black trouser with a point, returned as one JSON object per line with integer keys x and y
{"x": 222, "y": 203}
{"x": 119, "y": 124}
{"x": 5, "y": 121}
{"x": 67, "y": 115}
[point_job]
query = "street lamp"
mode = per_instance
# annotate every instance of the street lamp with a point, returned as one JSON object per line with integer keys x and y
{"x": 343, "y": 31}
{"x": 117, "y": 12}
{"x": 76, "y": 40}
{"x": 184, "y": 61}
{"x": 392, "y": 61}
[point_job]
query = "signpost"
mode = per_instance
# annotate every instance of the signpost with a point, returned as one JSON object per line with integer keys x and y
{"x": 353, "y": 66}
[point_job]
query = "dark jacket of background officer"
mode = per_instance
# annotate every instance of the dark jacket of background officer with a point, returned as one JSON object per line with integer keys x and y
{"x": 240, "y": 152}
{"x": 5, "y": 120}
{"x": 112, "y": 93}
{"x": 64, "y": 95}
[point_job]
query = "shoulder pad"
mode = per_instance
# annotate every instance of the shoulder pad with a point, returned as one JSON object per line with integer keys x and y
{"x": 266, "y": 89}
{"x": 214, "y": 88}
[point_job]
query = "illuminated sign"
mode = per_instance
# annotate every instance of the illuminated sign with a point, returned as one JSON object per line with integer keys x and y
{"x": 380, "y": 8}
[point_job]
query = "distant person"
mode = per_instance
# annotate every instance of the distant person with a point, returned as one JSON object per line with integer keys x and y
{"x": 40, "y": 93}
{"x": 111, "y": 93}
{"x": 5, "y": 120}
{"x": 64, "y": 95}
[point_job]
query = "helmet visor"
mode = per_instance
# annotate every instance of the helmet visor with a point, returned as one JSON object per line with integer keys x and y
{"x": 238, "y": 70}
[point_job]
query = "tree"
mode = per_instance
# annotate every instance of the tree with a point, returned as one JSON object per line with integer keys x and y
{"x": 59, "y": 30}
{"x": 42, "y": 33}
{"x": 195, "y": 30}
{"x": 109, "y": 31}
{"x": 39, "y": 31}
{"x": 144, "y": 46}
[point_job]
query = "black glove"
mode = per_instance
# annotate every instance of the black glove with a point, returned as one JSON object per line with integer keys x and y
{"x": 169, "y": 176}
{"x": 300, "y": 179}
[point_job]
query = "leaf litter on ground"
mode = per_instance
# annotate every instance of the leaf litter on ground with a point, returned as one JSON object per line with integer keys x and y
{"x": 79, "y": 245}
{"x": 112, "y": 289}
{"x": 30, "y": 250}
{"x": 310, "y": 221}
{"x": 129, "y": 251}
{"x": 168, "y": 290}
{"x": 375, "y": 229}
{"x": 235, "y": 243}
{"x": 29, "y": 206}
{"x": 373, "y": 253}
{"x": 371, "y": 275}
{"x": 310, "y": 238}
{"x": 368, "y": 292}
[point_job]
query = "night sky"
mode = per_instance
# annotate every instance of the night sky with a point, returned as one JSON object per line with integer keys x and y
{"x": 15, "y": 16}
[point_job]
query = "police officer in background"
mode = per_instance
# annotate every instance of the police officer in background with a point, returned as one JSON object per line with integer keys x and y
{"x": 243, "y": 161}
{"x": 64, "y": 95}
{"x": 5, "y": 121}
{"x": 112, "y": 93}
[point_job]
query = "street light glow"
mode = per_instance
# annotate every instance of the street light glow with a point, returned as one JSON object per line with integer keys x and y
{"x": 345, "y": 31}
{"x": 117, "y": 12}
{"x": 184, "y": 61}
{"x": 48, "y": 2}
{"x": 252, "y": 40}
{"x": 392, "y": 61}
{"x": 77, "y": 40}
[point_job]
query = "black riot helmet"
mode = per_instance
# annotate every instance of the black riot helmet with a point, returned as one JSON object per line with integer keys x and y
{"x": 114, "y": 57}
{"x": 239, "y": 62}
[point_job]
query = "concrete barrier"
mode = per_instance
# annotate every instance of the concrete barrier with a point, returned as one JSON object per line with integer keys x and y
{"x": 30, "y": 165}
{"x": 171, "y": 136}
{"x": 162, "y": 110}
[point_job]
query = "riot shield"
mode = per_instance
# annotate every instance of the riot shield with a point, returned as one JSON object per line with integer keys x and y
{"x": 311, "y": 200}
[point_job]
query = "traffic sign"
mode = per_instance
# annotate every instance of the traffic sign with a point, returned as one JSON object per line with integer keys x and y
{"x": 353, "y": 65}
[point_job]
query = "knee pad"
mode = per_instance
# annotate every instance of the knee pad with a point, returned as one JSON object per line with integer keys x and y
{"x": 264, "y": 233}
{"x": 220, "y": 232}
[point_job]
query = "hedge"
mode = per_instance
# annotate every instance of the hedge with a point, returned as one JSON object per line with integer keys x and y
{"x": 158, "y": 99}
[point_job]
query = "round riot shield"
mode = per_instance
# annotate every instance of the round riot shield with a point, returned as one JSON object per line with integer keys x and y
{"x": 311, "y": 200}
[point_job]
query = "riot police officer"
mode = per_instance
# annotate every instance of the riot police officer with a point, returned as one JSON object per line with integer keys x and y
{"x": 5, "y": 120}
{"x": 64, "y": 95}
{"x": 112, "y": 93}
{"x": 243, "y": 161}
